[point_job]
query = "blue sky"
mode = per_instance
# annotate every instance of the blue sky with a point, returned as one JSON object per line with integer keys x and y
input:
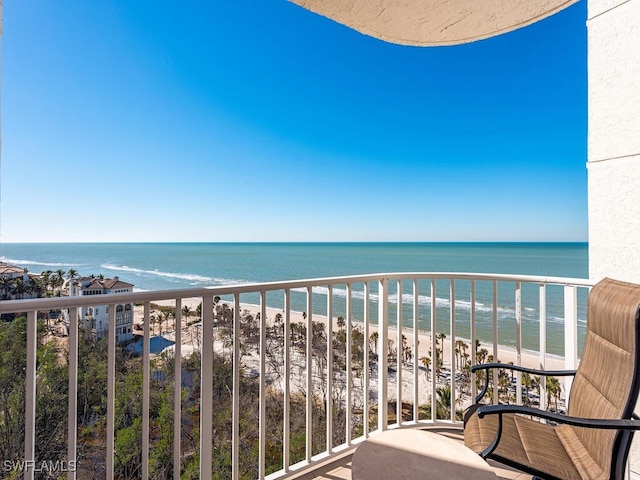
{"x": 261, "y": 121}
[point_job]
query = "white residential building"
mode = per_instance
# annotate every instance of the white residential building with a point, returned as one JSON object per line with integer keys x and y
{"x": 97, "y": 317}
{"x": 10, "y": 275}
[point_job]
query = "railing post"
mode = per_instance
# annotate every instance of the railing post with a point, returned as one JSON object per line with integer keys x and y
{"x": 329, "y": 390}
{"x": 383, "y": 337}
{"x": 474, "y": 335}
{"x": 416, "y": 346}
{"x": 206, "y": 388}
{"x": 434, "y": 349}
{"x": 72, "y": 442}
{"x": 399, "y": 353}
{"x": 262, "y": 416}
{"x": 452, "y": 348}
{"x": 348, "y": 363}
{"x": 496, "y": 391}
{"x": 366, "y": 319}
{"x": 518, "y": 362}
{"x": 146, "y": 376}
{"x": 309, "y": 387}
{"x": 286, "y": 434}
{"x": 235, "y": 414}
{"x": 543, "y": 343}
{"x": 570, "y": 336}
{"x": 177, "y": 391}
{"x": 111, "y": 391}
{"x": 30, "y": 399}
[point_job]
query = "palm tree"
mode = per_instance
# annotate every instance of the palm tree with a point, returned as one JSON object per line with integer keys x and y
{"x": 56, "y": 280}
{"x": 171, "y": 315}
{"x": 426, "y": 363}
{"x": 72, "y": 273}
{"x": 34, "y": 287}
{"x": 19, "y": 288}
{"x": 60, "y": 275}
{"x": 152, "y": 322}
{"x": 46, "y": 279}
{"x": 504, "y": 382}
{"x": 6, "y": 285}
{"x": 554, "y": 390}
{"x": 373, "y": 343}
{"x": 529, "y": 383}
{"x": 481, "y": 355}
{"x": 460, "y": 349}
{"x": 406, "y": 350}
{"x": 439, "y": 360}
{"x": 186, "y": 312}
{"x": 443, "y": 404}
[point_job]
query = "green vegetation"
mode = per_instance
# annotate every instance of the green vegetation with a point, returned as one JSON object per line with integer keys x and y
{"x": 52, "y": 396}
{"x": 52, "y": 400}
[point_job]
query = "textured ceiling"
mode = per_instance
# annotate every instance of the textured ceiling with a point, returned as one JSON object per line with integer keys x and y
{"x": 434, "y": 22}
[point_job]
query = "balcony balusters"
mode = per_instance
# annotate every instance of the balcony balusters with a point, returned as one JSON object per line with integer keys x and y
{"x": 359, "y": 292}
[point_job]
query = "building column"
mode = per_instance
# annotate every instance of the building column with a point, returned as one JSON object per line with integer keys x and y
{"x": 614, "y": 139}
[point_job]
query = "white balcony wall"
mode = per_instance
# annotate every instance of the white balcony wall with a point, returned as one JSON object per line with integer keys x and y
{"x": 614, "y": 138}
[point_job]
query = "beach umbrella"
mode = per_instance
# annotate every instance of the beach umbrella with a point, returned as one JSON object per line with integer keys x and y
{"x": 434, "y": 22}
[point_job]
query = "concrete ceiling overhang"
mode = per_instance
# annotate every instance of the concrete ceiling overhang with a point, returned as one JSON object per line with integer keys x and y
{"x": 434, "y": 22}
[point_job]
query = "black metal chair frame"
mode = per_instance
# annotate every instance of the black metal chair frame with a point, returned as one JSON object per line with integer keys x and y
{"x": 625, "y": 426}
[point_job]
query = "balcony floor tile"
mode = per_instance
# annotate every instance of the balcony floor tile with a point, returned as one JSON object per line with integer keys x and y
{"x": 341, "y": 468}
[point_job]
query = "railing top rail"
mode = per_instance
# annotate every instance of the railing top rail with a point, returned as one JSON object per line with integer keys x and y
{"x": 10, "y": 306}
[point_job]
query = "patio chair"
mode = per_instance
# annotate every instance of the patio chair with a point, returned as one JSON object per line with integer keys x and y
{"x": 592, "y": 440}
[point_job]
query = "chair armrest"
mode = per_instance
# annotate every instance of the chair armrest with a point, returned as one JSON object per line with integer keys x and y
{"x": 488, "y": 366}
{"x": 601, "y": 423}
{"x": 518, "y": 368}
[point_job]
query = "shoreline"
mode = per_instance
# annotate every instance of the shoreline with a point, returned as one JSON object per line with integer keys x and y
{"x": 506, "y": 354}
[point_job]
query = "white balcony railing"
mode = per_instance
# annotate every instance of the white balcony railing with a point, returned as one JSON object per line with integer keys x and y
{"x": 334, "y": 387}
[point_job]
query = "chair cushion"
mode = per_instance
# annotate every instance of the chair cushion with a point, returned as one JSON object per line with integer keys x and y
{"x": 526, "y": 442}
{"x": 605, "y": 378}
{"x": 582, "y": 460}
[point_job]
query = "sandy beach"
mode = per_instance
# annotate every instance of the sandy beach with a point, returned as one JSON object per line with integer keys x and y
{"x": 190, "y": 335}
{"x": 505, "y": 354}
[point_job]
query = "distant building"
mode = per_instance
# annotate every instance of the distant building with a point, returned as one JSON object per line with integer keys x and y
{"x": 96, "y": 317}
{"x": 15, "y": 282}
{"x": 13, "y": 271}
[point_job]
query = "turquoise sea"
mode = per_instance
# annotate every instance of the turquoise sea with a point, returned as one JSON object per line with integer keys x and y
{"x": 157, "y": 266}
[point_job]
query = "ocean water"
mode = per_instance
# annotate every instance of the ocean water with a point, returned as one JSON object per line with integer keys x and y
{"x": 158, "y": 266}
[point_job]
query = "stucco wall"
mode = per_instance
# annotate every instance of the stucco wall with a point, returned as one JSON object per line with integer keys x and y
{"x": 614, "y": 138}
{"x": 614, "y": 148}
